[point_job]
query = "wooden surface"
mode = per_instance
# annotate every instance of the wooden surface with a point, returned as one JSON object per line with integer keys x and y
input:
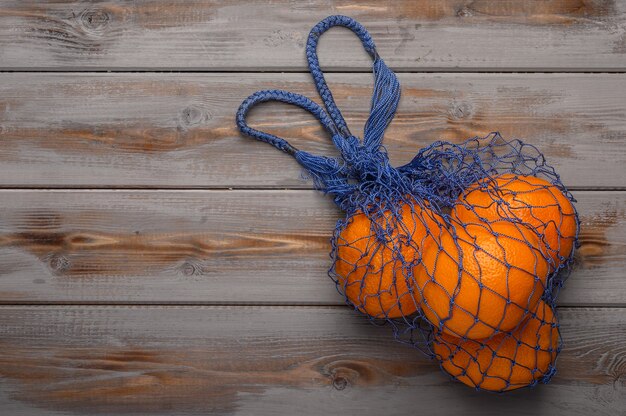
{"x": 177, "y": 130}
{"x": 152, "y": 261}
{"x": 456, "y": 35}
{"x": 275, "y": 360}
{"x": 215, "y": 247}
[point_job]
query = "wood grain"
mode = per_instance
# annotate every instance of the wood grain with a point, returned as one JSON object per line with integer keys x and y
{"x": 244, "y": 35}
{"x": 224, "y": 247}
{"x": 177, "y": 130}
{"x": 274, "y": 360}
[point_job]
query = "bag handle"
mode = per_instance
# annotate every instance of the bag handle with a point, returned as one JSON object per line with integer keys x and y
{"x": 284, "y": 97}
{"x": 332, "y": 175}
{"x": 328, "y": 174}
{"x": 386, "y": 85}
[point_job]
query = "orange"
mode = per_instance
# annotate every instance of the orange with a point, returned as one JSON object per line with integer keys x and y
{"x": 508, "y": 360}
{"x": 370, "y": 269}
{"x": 532, "y": 200}
{"x": 483, "y": 281}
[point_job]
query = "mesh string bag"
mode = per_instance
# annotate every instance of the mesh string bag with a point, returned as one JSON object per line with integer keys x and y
{"x": 461, "y": 252}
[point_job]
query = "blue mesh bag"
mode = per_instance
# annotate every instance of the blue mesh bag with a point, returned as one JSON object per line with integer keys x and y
{"x": 461, "y": 252}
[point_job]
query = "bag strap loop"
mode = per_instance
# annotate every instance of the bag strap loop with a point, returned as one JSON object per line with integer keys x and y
{"x": 314, "y": 64}
{"x": 284, "y": 97}
{"x": 386, "y": 85}
{"x": 328, "y": 173}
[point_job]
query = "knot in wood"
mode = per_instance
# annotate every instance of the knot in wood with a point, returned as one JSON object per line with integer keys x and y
{"x": 58, "y": 264}
{"x": 94, "y": 20}
{"x": 190, "y": 269}
{"x": 460, "y": 110}
{"x": 344, "y": 373}
{"x": 191, "y": 115}
{"x": 465, "y": 12}
{"x": 340, "y": 382}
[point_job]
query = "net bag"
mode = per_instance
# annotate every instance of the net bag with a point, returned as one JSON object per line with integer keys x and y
{"x": 462, "y": 251}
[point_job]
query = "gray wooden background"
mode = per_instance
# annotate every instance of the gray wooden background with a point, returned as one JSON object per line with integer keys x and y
{"x": 152, "y": 261}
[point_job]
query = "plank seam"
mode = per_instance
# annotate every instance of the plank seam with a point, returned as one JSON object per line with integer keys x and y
{"x": 22, "y": 188}
{"x": 304, "y": 71}
{"x": 244, "y": 304}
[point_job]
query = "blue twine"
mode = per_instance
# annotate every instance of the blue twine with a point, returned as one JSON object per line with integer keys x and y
{"x": 365, "y": 164}
{"x": 314, "y": 65}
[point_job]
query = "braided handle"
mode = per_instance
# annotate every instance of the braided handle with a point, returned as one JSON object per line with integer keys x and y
{"x": 284, "y": 97}
{"x": 330, "y": 174}
{"x": 314, "y": 63}
{"x": 327, "y": 173}
{"x": 386, "y": 86}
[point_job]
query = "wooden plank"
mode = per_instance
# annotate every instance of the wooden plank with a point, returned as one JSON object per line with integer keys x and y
{"x": 274, "y": 360}
{"x": 223, "y": 247}
{"x": 177, "y": 130}
{"x": 411, "y": 35}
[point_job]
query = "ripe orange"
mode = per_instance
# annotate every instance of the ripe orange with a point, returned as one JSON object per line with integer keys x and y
{"x": 370, "y": 268}
{"x": 483, "y": 281}
{"x": 532, "y": 200}
{"x": 506, "y": 361}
